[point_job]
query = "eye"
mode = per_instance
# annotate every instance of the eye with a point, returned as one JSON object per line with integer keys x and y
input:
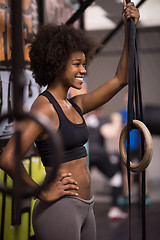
{"x": 84, "y": 65}
{"x": 76, "y": 64}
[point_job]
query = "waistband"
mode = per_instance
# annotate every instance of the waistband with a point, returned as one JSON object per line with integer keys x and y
{"x": 90, "y": 201}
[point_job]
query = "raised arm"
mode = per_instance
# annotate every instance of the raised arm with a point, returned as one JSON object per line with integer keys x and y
{"x": 105, "y": 92}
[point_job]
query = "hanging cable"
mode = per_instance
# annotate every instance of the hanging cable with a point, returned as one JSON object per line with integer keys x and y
{"x": 135, "y": 120}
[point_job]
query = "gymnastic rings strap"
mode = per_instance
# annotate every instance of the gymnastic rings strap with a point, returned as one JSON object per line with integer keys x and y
{"x": 134, "y": 93}
{"x": 143, "y": 164}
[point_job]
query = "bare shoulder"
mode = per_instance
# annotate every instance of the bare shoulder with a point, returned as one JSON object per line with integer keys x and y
{"x": 41, "y": 105}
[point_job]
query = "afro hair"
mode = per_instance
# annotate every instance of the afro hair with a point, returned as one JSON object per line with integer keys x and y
{"x": 51, "y": 48}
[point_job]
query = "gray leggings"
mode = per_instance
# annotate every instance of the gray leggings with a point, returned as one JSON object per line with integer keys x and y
{"x": 69, "y": 218}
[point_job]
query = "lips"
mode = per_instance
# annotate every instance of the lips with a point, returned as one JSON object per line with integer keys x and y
{"x": 80, "y": 79}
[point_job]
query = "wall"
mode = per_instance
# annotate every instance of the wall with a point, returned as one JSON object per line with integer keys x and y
{"x": 104, "y": 65}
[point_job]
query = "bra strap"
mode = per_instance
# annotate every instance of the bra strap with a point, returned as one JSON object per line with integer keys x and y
{"x": 53, "y": 101}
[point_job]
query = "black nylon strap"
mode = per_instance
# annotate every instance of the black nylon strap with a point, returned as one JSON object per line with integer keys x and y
{"x": 134, "y": 95}
{"x": 131, "y": 41}
{"x": 139, "y": 116}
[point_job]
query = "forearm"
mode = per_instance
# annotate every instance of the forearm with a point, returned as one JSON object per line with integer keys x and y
{"x": 129, "y": 12}
{"x": 9, "y": 167}
{"x": 8, "y": 163}
{"x": 111, "y": 87}
{"x": 122, "y": 69}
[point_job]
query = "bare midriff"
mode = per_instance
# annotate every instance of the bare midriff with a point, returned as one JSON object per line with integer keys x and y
{"x": 81, "y": 174}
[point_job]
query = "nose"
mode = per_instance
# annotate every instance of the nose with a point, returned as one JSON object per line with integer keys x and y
{"x": 83, "y": 70}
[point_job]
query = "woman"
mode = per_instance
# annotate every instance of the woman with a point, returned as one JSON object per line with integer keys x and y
{"x": 59, "y": 54}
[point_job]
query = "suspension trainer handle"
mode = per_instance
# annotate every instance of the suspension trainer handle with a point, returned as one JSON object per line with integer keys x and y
{"x": 134, "y": 84}
{"x": 143, "y": 164}
{"x": 134, "y": 93}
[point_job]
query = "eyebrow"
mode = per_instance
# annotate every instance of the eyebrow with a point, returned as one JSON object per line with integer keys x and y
{"x": 77, "y": 59}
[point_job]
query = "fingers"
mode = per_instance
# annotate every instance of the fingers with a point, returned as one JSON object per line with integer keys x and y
{"x": 70, "y": 187}
{"x": 130, "y": 11}
{"x": 67, "y": 185}
{"x": 67, "y": 180}
{"x": 63, "y": 175}
{"x": 70, "y": 193}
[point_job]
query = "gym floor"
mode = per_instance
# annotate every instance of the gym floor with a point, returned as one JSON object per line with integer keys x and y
{"x": 113, "y": 230}
{"x": 119, "y": 229}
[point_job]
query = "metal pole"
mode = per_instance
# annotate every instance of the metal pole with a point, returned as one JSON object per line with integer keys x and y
{"x": 18, "y": 87}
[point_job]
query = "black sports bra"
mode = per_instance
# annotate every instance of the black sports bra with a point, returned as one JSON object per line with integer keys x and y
{"x": 74, "y": 136}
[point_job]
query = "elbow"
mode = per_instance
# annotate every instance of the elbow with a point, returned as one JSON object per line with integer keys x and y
{"x": 122, "y": 77}
{"x": 121, "y": 81}
{"x": 6, "y": 165}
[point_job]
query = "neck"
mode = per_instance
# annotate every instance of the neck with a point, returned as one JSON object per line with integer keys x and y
{"x": 60, "y": 96}
{"x": 59, "y": 92}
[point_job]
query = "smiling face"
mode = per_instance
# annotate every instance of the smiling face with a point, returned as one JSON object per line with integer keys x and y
{"x": 75, "y": 70}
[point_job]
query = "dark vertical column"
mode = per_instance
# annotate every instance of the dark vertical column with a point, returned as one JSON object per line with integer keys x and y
{"x": 18, "y": 86}
{"x": 41, "y": 11}
{"x": 82, "y": 16}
